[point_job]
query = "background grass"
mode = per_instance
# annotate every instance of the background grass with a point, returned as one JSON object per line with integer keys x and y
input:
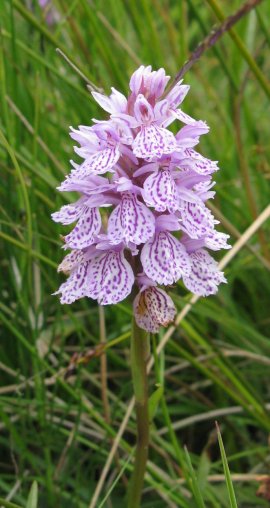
{"x": 216, "y": 366}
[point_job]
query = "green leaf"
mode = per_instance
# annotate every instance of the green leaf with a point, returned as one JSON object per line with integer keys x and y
{"x": 33, "y": 496}
{"x": 154, "y": 400}
{"x": 203, "y": 469}
{"x": 230, "y": 489}
{"x": 193, "y": 482}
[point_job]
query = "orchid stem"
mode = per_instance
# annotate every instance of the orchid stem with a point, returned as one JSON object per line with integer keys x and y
{"x": 139, "y": 356}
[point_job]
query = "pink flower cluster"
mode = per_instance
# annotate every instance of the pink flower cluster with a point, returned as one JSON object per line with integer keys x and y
{"x": 155, "y": 186}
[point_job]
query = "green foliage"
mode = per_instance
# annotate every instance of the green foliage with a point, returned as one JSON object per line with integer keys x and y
{"x": 53, "y": 427}
{"x": 230, "y": 489}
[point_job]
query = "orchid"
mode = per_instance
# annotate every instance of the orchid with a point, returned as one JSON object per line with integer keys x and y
{"x": 155, "y": 186}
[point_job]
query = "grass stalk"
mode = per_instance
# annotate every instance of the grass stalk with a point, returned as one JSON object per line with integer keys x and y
{"x": 265, "y": 85}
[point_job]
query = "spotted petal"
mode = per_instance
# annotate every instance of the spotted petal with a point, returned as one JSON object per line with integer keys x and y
{"x": 202, "y": 189}
{"x": 198, "y": 163}
{"x": 131, "y": 221}
{"x": 98, "y": 163}
{"x": 217, "y": 240}
{"x": 71, "y": 261}
{"x": 197, "y": 219}
{"x": 205, "y": 276}
{"x": 76, "y": 285}
{"x": 160, "y": 191}
{"x": 69, "y": 213}
{"x": 153, "y": 308}
{"x": 164, "y": 259}
{"x": 85, "y": 231}
{"x": 111, "y": 278}
{"x": 183, "y": 117}
{"x": 153, "y": 141}
{"x": 92, "y": 185}
{"x": 176, "y": 96}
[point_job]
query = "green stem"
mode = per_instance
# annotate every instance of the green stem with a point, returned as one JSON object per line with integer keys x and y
{"x": 241, "y": 46}
{"x": 139, "y": 355}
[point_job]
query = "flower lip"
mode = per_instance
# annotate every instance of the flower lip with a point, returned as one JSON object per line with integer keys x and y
{"x": 153, "y": 308}
{"x": 164, "y": 259}
{"x": 131, "y": 221}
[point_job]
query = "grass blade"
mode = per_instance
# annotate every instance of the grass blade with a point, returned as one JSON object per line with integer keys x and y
{"x": 230, "y": 489}
{"x": 194, "y": 482}
{"x": 32, "y": 500}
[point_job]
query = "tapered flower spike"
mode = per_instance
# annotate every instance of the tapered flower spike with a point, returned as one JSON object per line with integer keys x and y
{"x": 155, "y": 186}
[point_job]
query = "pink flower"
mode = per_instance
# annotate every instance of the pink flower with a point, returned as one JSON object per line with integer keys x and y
{"x": 155, "y": 186}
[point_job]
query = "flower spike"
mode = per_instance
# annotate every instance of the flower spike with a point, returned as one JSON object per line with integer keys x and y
{"x": 155, "y": 187}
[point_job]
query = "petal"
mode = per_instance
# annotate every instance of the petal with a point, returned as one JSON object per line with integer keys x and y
{"x": 157, "y": 83}
{"x": 86, "y": 137}
{"x": 69, "y": 213}
{"x": 92, "y": 185}
{"x": 160, "y": 191}
{"x": 161, "y": 110}
{"x": 188, "y": 178}
{"x": 137, "y": 77}
{"x": 131, "y": 221}
{"x": 192, "y": 244}
{"x": 128, "y": 120}
{"x": 193, "y": 130}
{"x": 183, "y": 117}
{"x": 103, "y": 101}
{"x": 197, "y": 219}
{"x": 85, "y": 231}
{"x": 176, "y": 96}
{"x": 116, "y": 103}
{"x": 153, "y": 141}
{"x": 204, "y": 186}
{"x": 123, "y": 184}
{"x": 167, "y": 222}
{"x": 143, "y": 111}
{"x": 143, "y": 281}
{"x": 188, "y": 195}
{"x": 98, "y": 163}
{"x": 123, "y": 131}
{"x": 75, "y": 286}
{"x": 119, "y": 101}
{"x": 203, "y": 191}
{"x": 102, "y": 161}
{"x": 153, "y": 308}
{"x": 164, "y": 259}
{"x": 189, "y": 135}
{"x": 70, "y": 261}
{"x": 198, "y": 163}
{"x": 111, "y": 278}
{"x": 217, "y": 240}
{"x": 146, "y": 168}
{"x": 205, "y": 276}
